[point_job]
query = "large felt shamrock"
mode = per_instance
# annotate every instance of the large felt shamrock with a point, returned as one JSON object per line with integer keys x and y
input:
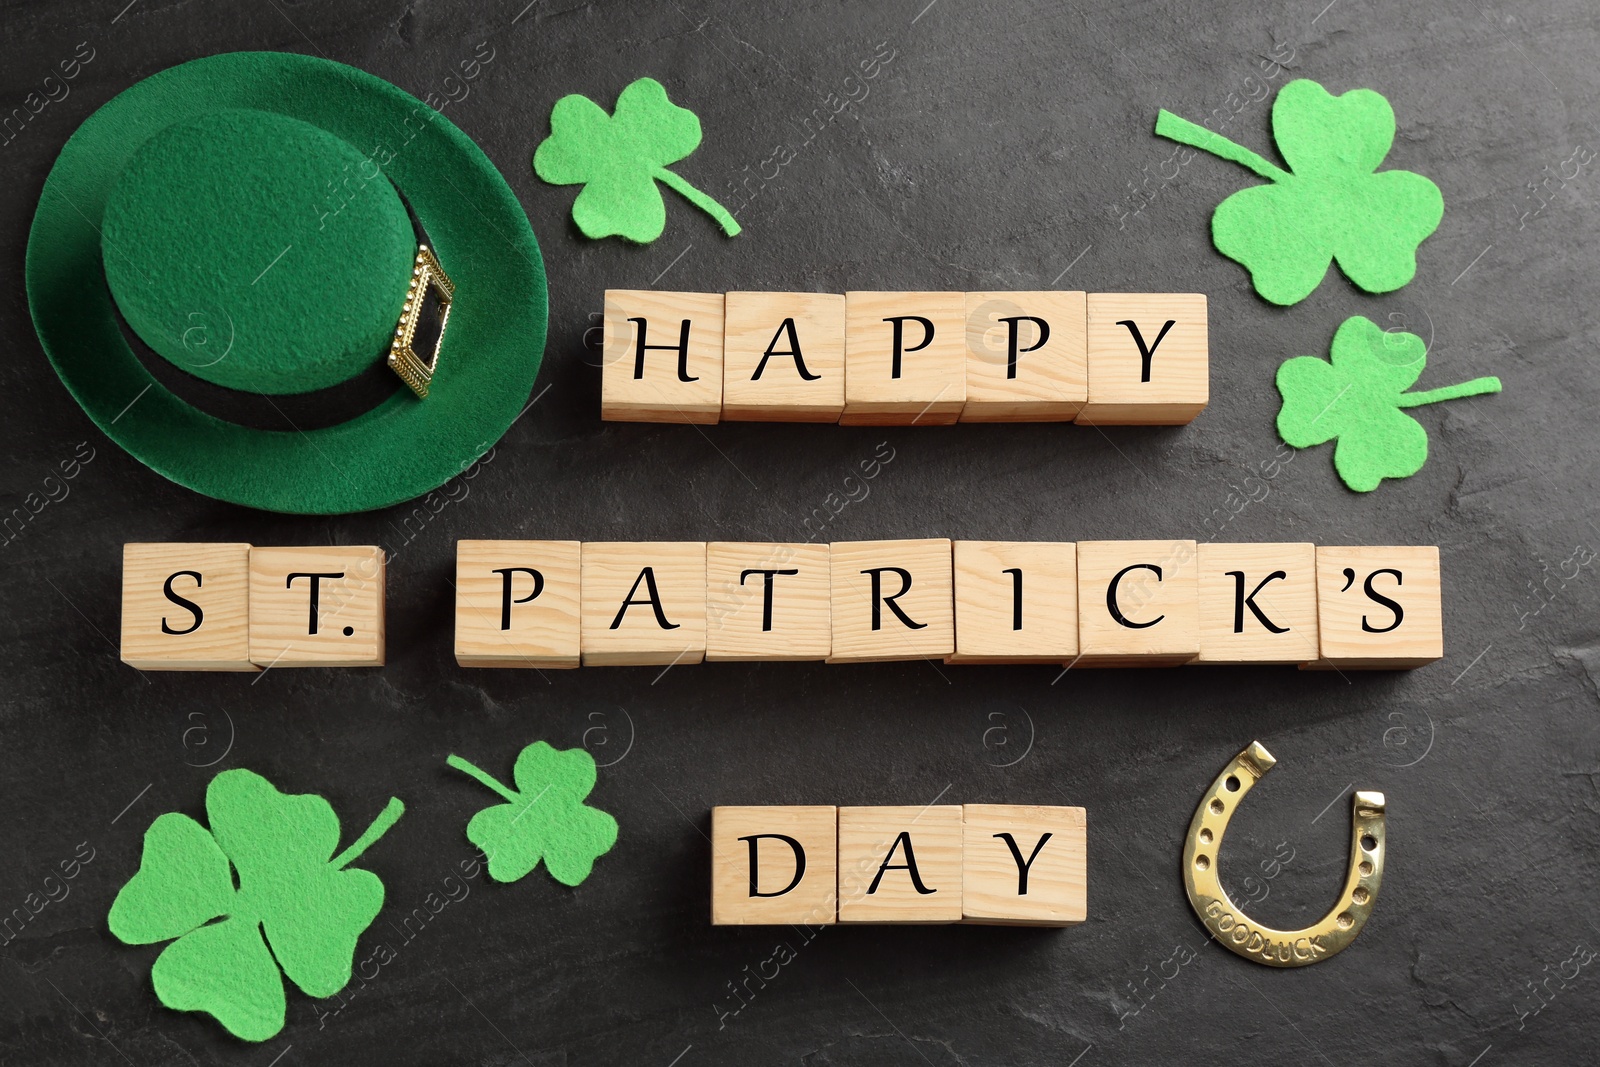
{"x": 619, "y": 158}
{"x": 291, "y": 888}
{"x": 1358, "y": 396}
{"x": 1335, "y": 205}
{"x": 544, "y": 817}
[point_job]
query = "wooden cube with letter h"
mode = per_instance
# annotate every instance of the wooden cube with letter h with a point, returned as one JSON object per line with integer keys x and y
{"x": 783, "y": 357}
{"x": 772, "y": 865}
{"x": 1148, "y": 359}
{"x": 661, "y": 360}
{"x": 1024, "y": 865}
{"x": 186, "y": 607}
{"x": 891, "y": 600}
{"x": 643, "y": 602}
{"x": 1379, "y": 607}
{"x": 317, "y": 607}
{"x": 900, "y": 864}
{"x": 1027, "y": 357}
{"x": 1258, "y": 603}
{"x": 905, "y": 358}
{"x": 518, "y": 603}
{"x": 1138, "y": 603}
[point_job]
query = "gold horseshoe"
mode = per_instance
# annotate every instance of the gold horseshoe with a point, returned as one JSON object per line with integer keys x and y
{"x": 1244, "y": 936}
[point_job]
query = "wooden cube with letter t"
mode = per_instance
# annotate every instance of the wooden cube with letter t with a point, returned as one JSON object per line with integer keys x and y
{"x": 783, "y": 357}
{"x": 1016, "y": 601}
{"x": 1378, "y": 607}
{"x": 767, "y": 601}
{"x": 1024, "y": 865}
{"x": 891, "y": 600}
{"x": 644, "y": 602}
{"x": 773, "y": 865}
{"x": 1027, "y": 357}
{"x": 186, "y": 607}
{"x": 1258, "y": 603}
{"x": 900, "y": 864}
{"x": 661, "y": 360}
{"x": 317, "y": 607}
{"x": 1138, "y": 603}
{"x": 1148, "y": 363}
{"x": 905, "y": 359}
{"x": 517, "y": 603}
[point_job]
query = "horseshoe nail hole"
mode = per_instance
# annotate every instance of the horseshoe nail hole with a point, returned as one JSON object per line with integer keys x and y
{"x": 1216, "y": 806}
{"x": 1368, "y": 842}
{"x": 1232, "y": 783}
{"x": 1205, "y": 837}
{"x": 1366, "y": 866}
{"x": 1202, "y": 862}
{"x": 1360, "y": 896}
{"x": 1345, "y": 921}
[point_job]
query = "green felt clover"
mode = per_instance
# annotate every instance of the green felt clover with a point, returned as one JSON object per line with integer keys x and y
{"x": 618, "y": 158}
{"x": 544, "y": 817}
{"x": 1332, "y": 205}
{"x": 293, "y": 894}
{"x": 1357, "y": 396}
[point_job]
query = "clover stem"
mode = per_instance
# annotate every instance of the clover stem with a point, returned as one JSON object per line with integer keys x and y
{"x": 1476, "y": 387}
{"x": 1176, "y": 128}
{"x": 729, "y": 224}
{"x": 386, "y": 818}
{"x": 483, "y": 776}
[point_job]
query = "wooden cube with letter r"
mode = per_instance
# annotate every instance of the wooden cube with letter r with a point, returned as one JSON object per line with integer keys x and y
{"x": 186, "y": 607}
{"x": 891, "y": 600}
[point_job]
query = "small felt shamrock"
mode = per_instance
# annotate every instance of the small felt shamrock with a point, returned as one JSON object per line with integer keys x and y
{"x": 1358, "y": 396}
{"x": 619, "y": 158}
{"x": 543, "y": 818}
{"x": 1334, "y": 206}
{"x": 293, "y": 894}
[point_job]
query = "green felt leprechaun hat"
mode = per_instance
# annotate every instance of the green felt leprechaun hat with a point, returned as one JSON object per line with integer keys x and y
{"x": 295, "y": 233}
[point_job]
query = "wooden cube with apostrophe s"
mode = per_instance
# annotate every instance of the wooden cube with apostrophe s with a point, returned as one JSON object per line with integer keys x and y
{"x": 318, "y": 606}
{"x": 1024, "y": 865}
{"x": 783, "y": 357}
{"x": 891, "y": 600}
{"x": 1258, "y": 603}
{"x": 774, "y": 865}
{"x": 1138, "y": 603}
{"x": 1378, "y": 607}
{"x": 1027, "y": 357}
{"x": 1148, "y": 359}
{"x": 905, "y": 359}
{"x": 767, "y": 601}
{"x": 644, "y": 602}
{"x": 186, "y": 607}
{"x": 661, "y": 360}
{"x": 517, "y": 603}
{"x": 1016, "y": 601}
{"x": 900, "y": 864}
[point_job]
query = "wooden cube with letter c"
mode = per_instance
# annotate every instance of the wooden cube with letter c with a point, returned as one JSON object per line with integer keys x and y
{"x": 900, "y": 864}
{"x": 317, "y": 607}
{"x": 1024, "y": 865}
{"x": 1138, "y": 603}
{"x": 891, "y": 600}
{"x": 644, "y": 602}
{"x": 772, "y": 865}
{"x": 186, "y": 607}
{"x": 661, "y": 357}
{"x": 517, "y": 603}
{"x": 1148, "y": 359}
{"x": 1378, "y": 607}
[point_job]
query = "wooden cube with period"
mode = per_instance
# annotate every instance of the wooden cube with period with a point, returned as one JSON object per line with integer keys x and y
{"x": 1024, "y": 865}
{"x": 772, "y": 865}
{"x": 783, "y": 357}
{"x": 1027, "y": 357}
{"x": 1378, "y": 607}
{"x": 644, "y": 602}
{"x": 1016, "y": 601}
{"x": 1148, "y": 359}
{"x": 767, "y": 601}
{"x": 317, "y": 607}
{"x": 1258, "y": 603}
{"x": 1138, "y": 603}
{"x": 905, "y": 358}
{"x": 661, "y": 360}
{"x": 186, "y": 607}
{"x": 900, "y": 864}
{"x": 517, "y": 603}
{"x": 891, "y": 600}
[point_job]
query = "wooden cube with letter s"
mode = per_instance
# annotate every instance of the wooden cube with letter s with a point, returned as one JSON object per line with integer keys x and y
{"x": 1379, "y": 607}
{"x": 186, "y": 607}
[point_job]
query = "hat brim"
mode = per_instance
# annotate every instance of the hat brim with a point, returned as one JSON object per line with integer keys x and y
{"x": 394, "y": 452}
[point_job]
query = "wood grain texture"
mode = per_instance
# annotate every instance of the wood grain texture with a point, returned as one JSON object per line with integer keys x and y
{"x": 810, "y": 902}
{"x": 868, "y": 628}
{"x": 756, "y": 323}
{"x": 661, "y": 395}
{"x": 1047, "y": 382}
{"x": 1157, "y": 597}
{"x": 870, "y": 843}
{"x": 619, "y": 633}
{"x": 540, "y": 627}
{"x": 1230, "y": 631}
{"x": 215, "y": 578}
{"x": 348, "y": 618}
{"x": 1358, "y": 630}
{"x": 741, "y": 624}
{"x": 1054, "y": 889}
{"x": 931, "y": 387}
{"x": 1179, "y": 383}
{"x": 991, "y": 626}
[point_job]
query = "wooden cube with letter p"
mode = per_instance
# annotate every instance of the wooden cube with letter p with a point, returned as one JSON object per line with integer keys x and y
{"x": 1379, "y": 607}
{"x": 186, "y": 607}
{"x": 317, "y": 607}
{"x": 1258, "y": 603}
{"x": 905, "y": 359}
{"x": 900, "y": 864}
{"x": 661, "y": 360}
{"x": 774, "y": 865}
{"x": 1138, "y": 603}
{"x": 517, "y": 603}
{"x": 1027, "y": 357}
{"x": 891, "y": 600}
{"x": 1148, "y": 359}
{"x": 1024, "y": 865}
{"x": 783, "y": 357}
{"x": 643, "y": 602}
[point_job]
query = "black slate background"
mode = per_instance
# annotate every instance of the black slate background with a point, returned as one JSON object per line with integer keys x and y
{"x": 1002, "y": 143}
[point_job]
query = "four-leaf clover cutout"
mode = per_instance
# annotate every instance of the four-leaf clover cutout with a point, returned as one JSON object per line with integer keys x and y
{"x": 544, "y": 817}
{"x": 293, "y": 895}
{"x": 618, "y": 158}
{"x": 1358, "y": 396}
{"x": 1331, "y": 205}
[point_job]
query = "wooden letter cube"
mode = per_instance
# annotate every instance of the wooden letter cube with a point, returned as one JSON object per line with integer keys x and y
{"x": 662, "y": 357}
{"x": 644, "y": 602}
{"x": 317, "y": 607}
{"x": 1138, "y": 603}
{"x": 767, "y": 602}
{"x": 774, "y": 865}
{"x": 900, "y": 865}
{"x": 1258, "y": 603}
{"x": 891, "y": 600}
{"x": 517, "y": 603}
{"x": 1147, "y": 359}
{"x": 783, "y": 357}
{"x": 1379, "y": 607}
{"x": 905, "y": 357}
{"x": 186, "y": 607}
{"x": 1016, "y": 601}
{"x": 1027, "y": 357}
{"x": 1024, "y": 865}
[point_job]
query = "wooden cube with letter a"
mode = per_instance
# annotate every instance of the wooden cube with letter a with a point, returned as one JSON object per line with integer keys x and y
{"x": 317, "y": 607}
{"x": 1379, "y": 607}
{"x": 186, "y": 607}
{"x": 517, "y": 603}
{"x": 1258, "y": 603}
{"x": 783, "y": 357}
{"x": 773, "y": 865}
{"x": 767, "y": 601}
{"x": 661, "y": 360}
{"x": 1027, "y": 357}
{"x": 905, "y": 359}
{"x": 1148, "y": 359}
{"x": 900, "y": 864}
{"x": 1024, "y": 865}
{"x": 891, "y": 600}
{"x": 1138, "y": 603}
{"x": 1016, "y": 601}
{"x": 644, "y": 602}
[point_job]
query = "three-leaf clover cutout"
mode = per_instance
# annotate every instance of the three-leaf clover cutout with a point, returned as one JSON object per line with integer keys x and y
{"x": 1358, "y": 396}
{"x": 293, "y": 894}
{"x": 544, "y": 817}
{"x": 618, "y": 158}
{"x": 1331, "y": 205}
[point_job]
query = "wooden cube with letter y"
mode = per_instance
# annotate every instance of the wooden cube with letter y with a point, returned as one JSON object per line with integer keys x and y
{"x": 643, "y": 602}
{"x": 1024, "y": 865}
{"x": 900, "y": 864}
{"x": 1258, "y": 603}
{"x": 1138, "y": 603}
{"x": 774, "y": 865}
{"x": 891, "y": 600}
{"x": 905, "y": 359}
{"x": 517, "y": 603}
{"x": 783, "y": 357}
{"x": 317, "y": 607}
{"x": 1148, "y": 359}
{"x": 661, "y": 357}
{"x": 186, "y": 607}
{"x": 1378, "y": 607}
